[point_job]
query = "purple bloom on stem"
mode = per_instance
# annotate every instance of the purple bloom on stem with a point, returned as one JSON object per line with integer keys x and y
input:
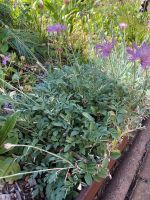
{"x": 140, "y": 53}
{"x": 56, "y": 28}
{"x": 7, "y": 107}
{"x": 105, "y": 49}
{"x": 5, "y": 59}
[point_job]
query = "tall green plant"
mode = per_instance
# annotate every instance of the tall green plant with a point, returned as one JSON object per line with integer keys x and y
{"x": 8, "y": 165}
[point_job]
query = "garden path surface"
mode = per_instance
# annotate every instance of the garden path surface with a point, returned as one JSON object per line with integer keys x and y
{"x": 131, "y": 180}
{"x": 141, "y": 191}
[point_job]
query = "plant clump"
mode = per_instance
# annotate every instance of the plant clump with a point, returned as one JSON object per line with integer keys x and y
{"x": 74, "y": 80}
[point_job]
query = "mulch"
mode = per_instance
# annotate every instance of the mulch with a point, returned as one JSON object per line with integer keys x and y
{"x": 17, "y": 190}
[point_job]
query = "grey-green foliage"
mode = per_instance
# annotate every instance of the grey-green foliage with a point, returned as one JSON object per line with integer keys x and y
{"x": 5, "y": 14}
{"x": 73, "y": 112}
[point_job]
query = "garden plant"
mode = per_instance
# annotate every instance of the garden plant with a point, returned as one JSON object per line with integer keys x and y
{"x": 74, "y": 80}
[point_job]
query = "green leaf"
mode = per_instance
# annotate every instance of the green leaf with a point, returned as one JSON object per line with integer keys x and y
{"x": 88, "y": 179}
{"x": 105, "y": 163}
{"x": 115, "y": 154}
{"x": 8, "y": 166}
{"x": 88, "y": 116}
{"x": 52, "y": 177}
{"x": 119, "y": 132}
{"x": 59, "y": 124}
{"x": 52, "y": 9}
{"x": 15, "y": 77}
{"x": 120, "y": 118}
{"x": 73, "y": 133}
{"x": 4, "y": 48}
{"x": 67, "y": 147}
{"x": 2, "y": 78}
{"x": 7, "y": 127}
{"x": 103, "y": 172}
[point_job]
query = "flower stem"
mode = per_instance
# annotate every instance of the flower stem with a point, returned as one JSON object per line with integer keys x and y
{"x": 31, "y": 172}
{"x": 145, "y": 84}
{"x": 45, "y": 151}
{"x": 134, "y": 75}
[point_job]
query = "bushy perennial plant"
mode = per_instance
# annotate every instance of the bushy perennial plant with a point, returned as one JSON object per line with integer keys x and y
{"x": 72, "y": 119}
{"x": 75, "y": 113}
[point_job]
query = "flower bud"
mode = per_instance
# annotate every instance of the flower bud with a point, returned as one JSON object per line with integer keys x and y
{"x": 8, "y": 146}
{"x": 123, "y": 25}
{"x": 40, "y": 4}
{"x": 66, "y": 2}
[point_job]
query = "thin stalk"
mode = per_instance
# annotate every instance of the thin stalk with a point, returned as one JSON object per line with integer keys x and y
{"x": 31, "y": 172}
{"x": 60, "y": 61}
{"x": 112, "y": 68}
{"x": 45, "y": 151}
{"x": 145, "y": 84}
{"x": 132, "y": 130}
{"x": 134, "y": 75}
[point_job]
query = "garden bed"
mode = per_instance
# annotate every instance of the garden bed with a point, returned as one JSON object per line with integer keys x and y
{"x": 22, "y": 188}
{"x": 90, "y": 192}
{"x": 112, "y": 188}
{"x": 70, "y": 98}
{"x": 125, "y": 178}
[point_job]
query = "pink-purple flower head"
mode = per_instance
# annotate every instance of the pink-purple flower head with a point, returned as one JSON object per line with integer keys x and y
{"x": 56, "y": 28}
{"x": 5, "y": 59}
{"x": 141, "y": 53}
{"x": 123, "y": 25}
{"x": 105, "y": 48}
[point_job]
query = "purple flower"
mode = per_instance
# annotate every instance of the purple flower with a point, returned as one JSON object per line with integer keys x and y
{"x": 105, "y": 49}
{"x": 5, "y": 59}
{"x": 140, "y": 53}
{"x": 56, "y": 28}
{"x": 7, "y": 107}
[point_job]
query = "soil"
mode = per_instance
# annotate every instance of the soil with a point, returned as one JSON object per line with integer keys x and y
{"x": 18, "y": 190}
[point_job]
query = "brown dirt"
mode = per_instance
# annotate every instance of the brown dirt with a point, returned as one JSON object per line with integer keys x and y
{"x": 18, "y": 190}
